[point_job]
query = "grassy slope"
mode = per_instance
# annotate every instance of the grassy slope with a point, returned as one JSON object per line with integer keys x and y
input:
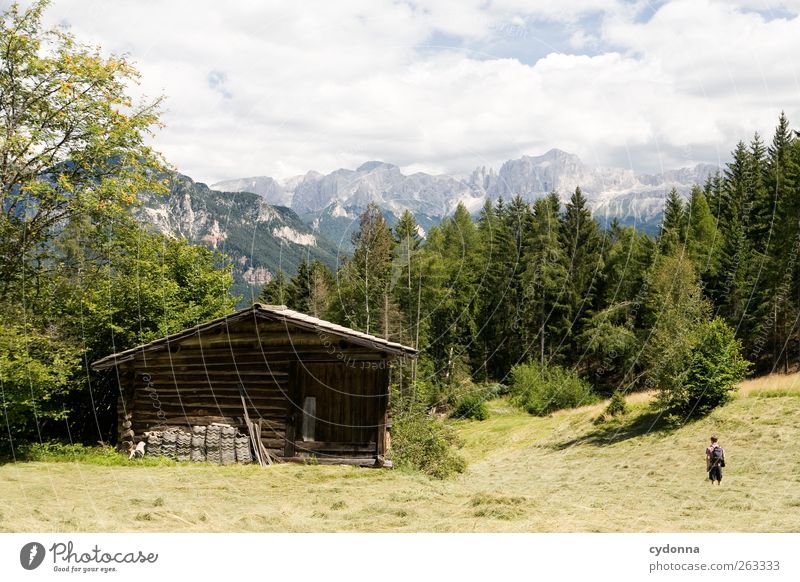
{"x": 561, "y": 473}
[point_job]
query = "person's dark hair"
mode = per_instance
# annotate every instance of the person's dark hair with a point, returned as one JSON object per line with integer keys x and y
{"x": 713, "y": 439}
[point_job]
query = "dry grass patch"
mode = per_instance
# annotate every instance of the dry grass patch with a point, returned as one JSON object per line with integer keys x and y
{"x": 771, "y": 386}
{"x": 561, "y": 473}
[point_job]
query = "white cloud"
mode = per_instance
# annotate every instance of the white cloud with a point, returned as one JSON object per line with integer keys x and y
{"x": 279, "y": 88}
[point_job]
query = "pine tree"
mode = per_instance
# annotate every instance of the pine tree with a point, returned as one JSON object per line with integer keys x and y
{"x": 299, "y": 288}
{"x": 407, "y": 291}
{"x": 518, "y": 219}
{"x": 309, "y": 290}
{"x": 779, "y": 168}
{"x": 713, "y": 191}
{"x": 783, "y": 302}
{"x": 449, "y": 270}
{"x": 583, "y": 247}
{"x": 736, "y": 186}
{"x": 733, "y": 285}
{"x": 364, "y": 287}
{"x": 628, "y": 256}
{"x": 406, "y": 231}
{"x": 701, "y": 236}
{"x": 763, "y": 204}
{"x": 489, "y": 226}
{"x": 758, "y": 231}
{"x": 545, "y": 278}
{"x": 673, "y": 226}
{"x": 609, "y": 343}
{"x": 500, "y": 258}
{"x": 275, "y": 292}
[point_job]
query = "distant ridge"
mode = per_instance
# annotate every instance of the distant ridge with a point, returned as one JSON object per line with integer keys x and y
{"x": 612, "y": 192}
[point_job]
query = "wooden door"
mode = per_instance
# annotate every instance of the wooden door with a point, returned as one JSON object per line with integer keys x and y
{"x": 339, "y": 404}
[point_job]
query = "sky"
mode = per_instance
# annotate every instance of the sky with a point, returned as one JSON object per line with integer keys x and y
{"x": 444, "y": 86}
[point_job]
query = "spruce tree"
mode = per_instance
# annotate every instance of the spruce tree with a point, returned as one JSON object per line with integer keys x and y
{"x": 518, "y": 220}
{"x": 701, "y": 234}
{"x": 275, "y": 292}
{"x": 495, "y": 304}
{"x": 582, "y": 243}
{"x": 309, "y": 291}
{"x": 363, "y": 296}
{"x": 299, "y": 288}
{"x": 452, "y": 269}
{"x": 673, "y": 226}
{"x": 408, "y": 285}
{"x": 733, "y": 285}
{"x": 545, "y": 278}
{"x": 714, "y": 196}
{"x": 763, "y": 204}
{"x": 783, "y": 303}
{"x": 609, "y": 343}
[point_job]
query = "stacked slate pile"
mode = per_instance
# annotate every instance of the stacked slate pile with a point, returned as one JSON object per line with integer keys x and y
{"x": 213, "y": 438}
{"x": 219, "y": 444}
{"x": 242, "y": 445}
{"x": 198, "y": 452}
{"x": 183, "y": 446}
{"x": 226, "y": 445}
{"x": 169, "y": 439}
{"x": 153, "y": 447}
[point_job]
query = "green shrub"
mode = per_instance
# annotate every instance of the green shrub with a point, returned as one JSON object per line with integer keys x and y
{"x": 446, "y": 396}
{"x": 540, "y": 391}
{"x": 472, "y": 406}
{"x": 35, "y": 371}
{"x": 424, "y": 443}
{"x": 715, "y": 365}
{"x": 616, "y": 405}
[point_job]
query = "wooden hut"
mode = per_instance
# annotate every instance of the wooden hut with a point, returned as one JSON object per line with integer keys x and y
{"x": 314, "y": 388}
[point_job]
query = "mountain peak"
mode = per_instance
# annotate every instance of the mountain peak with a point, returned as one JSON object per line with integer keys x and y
{"x": 556, "y": 152}
{"x": 265, "y": 186}
{"x": 554, "y": 155}
{"x": 374, "y": 165}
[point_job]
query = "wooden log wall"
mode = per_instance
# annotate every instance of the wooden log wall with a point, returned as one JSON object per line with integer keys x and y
{"x": 196, "y": 382}
{"x": 126, "y": 440}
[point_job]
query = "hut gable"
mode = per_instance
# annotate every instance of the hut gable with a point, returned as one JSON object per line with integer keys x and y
{"x": 314, "y": 388}
{"x": 259, "y": 311}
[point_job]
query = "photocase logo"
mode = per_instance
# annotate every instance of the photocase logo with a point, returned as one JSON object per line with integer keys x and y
{"x": 31, "y": 555}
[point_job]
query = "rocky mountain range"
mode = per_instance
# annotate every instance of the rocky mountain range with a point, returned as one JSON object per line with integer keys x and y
{"x": 263, "y": 225}
{"x": 257, "y": 237}
{"x": 326, "y": 201}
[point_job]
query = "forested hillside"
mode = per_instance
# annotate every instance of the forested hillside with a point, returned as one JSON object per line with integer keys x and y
{"x": 544, "y": 283}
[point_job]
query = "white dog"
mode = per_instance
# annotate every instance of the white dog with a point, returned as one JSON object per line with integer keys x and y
{"x": 137, "y": 451}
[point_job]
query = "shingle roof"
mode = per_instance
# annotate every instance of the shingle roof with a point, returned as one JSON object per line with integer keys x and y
{"x": 269, "y": 313}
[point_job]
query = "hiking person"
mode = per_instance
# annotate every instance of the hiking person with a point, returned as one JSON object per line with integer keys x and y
{"x": 715, "y": 460}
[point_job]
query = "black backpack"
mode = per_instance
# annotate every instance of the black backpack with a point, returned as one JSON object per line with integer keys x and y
{"x": 717, "y": 457}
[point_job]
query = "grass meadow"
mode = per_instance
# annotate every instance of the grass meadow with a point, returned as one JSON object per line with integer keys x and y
{"x": 561, "y": 473}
